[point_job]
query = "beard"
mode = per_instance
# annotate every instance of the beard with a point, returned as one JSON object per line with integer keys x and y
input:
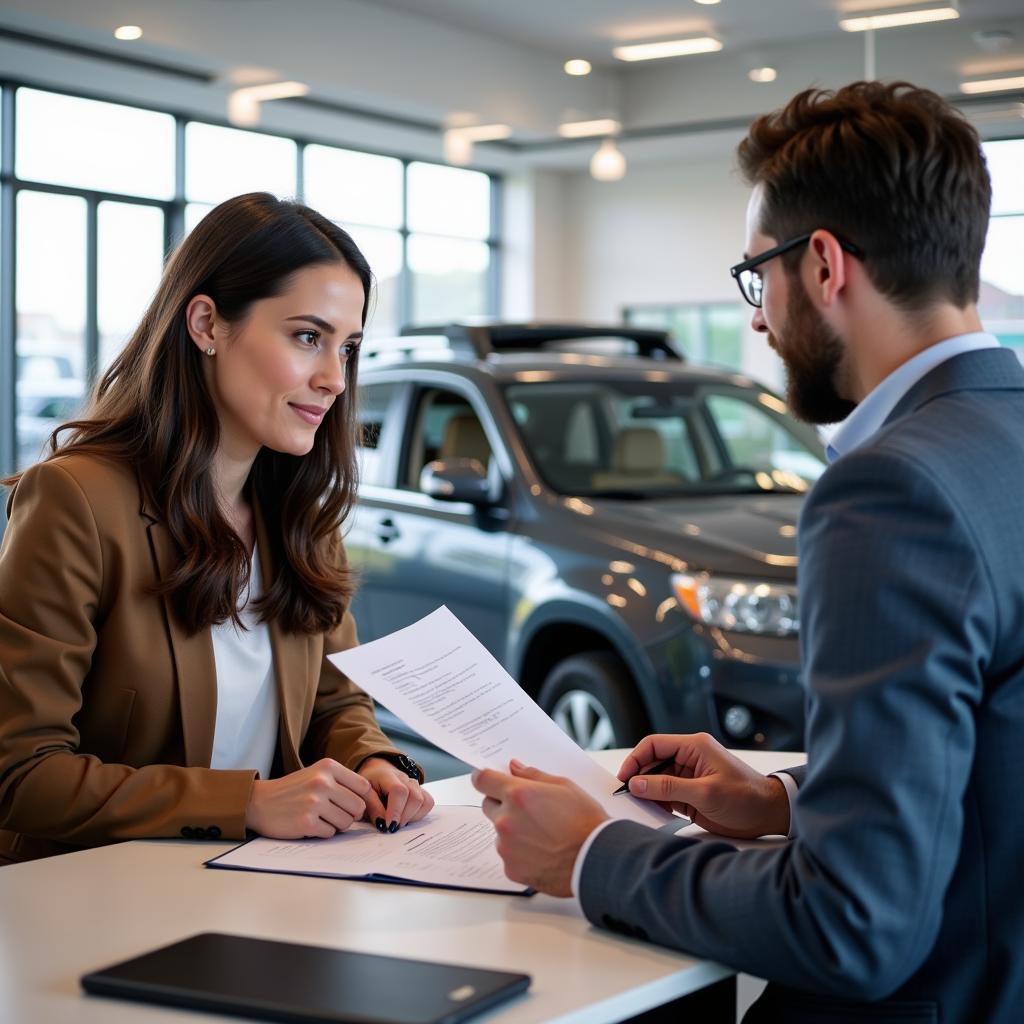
{"x": 812, "y": 354}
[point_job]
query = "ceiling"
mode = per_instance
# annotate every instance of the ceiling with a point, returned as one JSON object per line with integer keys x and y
{"x": 589, "y": 28}
{"x": 420, "y": 62}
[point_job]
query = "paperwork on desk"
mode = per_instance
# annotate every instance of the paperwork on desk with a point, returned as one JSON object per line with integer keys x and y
{"x": 438, "y": 678}
{"x": 441, "y": 681}
{"x": 452, "y": 847}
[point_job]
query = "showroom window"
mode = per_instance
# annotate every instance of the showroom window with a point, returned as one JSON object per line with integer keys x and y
{"x": 450, "y": 215}
{"x": 708, "y": 334}
{"x": 94, "y": 194}
{"x": 1001, "y": 303}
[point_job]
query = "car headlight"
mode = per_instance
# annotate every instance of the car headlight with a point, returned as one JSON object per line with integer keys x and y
{"x": 746, "y": 606}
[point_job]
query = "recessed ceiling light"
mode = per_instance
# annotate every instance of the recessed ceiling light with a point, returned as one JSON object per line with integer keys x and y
{"x": 667, "y": 48}
{"x": 128, "y": 32}
{"x": 894, "y": 19}
{"x": 708, "y": 3}
{"x": 583, "y": 129}
{"x": 764, "y": 74}
{"x": 993, "y": 84}
{"x": 577, "y": 67}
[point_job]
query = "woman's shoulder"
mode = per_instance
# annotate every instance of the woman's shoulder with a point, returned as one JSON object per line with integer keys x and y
{"x": 100, "y": 478}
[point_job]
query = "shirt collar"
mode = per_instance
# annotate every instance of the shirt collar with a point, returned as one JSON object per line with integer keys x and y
{"x": 872, "y": 412}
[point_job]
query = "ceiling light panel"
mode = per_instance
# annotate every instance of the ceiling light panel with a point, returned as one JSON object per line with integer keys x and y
{"x": 584, "y": 129}
{"x": 667, "y": 48}
{"x": 897, "y": 19}
{"x": 992, "y": 84}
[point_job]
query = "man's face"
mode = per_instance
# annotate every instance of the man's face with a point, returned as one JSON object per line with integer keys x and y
{"x": 811, "y": 351}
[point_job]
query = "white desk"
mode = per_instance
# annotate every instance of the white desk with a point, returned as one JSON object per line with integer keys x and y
{"x": 64, "y": 916}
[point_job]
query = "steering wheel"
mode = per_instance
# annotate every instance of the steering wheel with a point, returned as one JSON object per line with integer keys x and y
{"x": 731, "y": 473}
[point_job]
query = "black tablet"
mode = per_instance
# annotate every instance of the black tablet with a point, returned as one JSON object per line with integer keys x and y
{"x": 287, "y": 982}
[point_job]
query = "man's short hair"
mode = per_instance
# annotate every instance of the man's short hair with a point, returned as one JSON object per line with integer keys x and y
{"x": 892, "y": 168}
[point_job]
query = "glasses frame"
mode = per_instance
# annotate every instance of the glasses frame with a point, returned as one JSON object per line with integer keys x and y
{"x": 778, "y": 250}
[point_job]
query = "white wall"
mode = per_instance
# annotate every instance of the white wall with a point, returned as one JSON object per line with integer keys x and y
{"x": 666, "y": 233}
{"x": 537, "y": 250}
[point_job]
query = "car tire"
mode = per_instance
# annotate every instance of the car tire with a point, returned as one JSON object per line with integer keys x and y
{"x": 592, "y": 698}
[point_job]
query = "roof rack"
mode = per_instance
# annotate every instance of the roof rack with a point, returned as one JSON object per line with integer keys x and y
{"x": 384, "y": 348}
{"x": 486, "y": 337}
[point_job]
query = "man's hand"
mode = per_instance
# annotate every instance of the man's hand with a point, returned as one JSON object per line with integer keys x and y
{"x": 709, "y": 785}
{"x": 541, "y": 821}
{"x": 401, "y": 799}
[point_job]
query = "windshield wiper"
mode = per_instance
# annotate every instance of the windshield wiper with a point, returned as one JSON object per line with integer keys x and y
{"x": 625, "y": 495}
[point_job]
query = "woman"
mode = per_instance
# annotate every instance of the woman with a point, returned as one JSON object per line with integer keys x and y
{"x": 172, "y": 575}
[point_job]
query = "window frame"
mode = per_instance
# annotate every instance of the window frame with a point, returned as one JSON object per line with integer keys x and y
{"x": 174, "y": 224}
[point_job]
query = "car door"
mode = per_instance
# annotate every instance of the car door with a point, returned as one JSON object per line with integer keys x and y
{"x": 419, "y": 552}
{"x": 379, "y": 409}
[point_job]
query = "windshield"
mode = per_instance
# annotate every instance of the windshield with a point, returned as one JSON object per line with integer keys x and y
{"x": 642, "y": 438}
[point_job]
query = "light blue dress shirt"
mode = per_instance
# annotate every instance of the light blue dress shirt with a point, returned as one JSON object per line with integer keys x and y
{"x": 873, "y": 411}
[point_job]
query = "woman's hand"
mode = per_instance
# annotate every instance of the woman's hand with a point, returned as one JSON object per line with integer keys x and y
{"x": 712, "y": 787}
{"x": 315, "y": 802}
{"x": 404, "y": 799}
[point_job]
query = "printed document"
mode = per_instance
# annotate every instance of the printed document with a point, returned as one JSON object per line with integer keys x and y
{"x": 452, "y": 847}
{"x": 442, "y": 682}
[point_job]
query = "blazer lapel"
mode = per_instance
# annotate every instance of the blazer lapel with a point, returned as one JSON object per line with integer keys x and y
{"x": 291, "y": 656}
{"x": 194, "y": 664}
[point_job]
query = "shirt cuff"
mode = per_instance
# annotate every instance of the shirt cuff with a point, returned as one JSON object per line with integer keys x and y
{"x": 790, "y": 786}
{"x": 577, "y": 868}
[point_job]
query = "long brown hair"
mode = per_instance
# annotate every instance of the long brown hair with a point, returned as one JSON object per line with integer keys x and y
{"x": 153, "y": 409}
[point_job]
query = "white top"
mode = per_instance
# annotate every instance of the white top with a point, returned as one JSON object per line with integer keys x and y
{"x": 245, "y": 733}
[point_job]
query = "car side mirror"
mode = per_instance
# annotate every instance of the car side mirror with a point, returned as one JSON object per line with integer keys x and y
{"x": 456, "y": 479}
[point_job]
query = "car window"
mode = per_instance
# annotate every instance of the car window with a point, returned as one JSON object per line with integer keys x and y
{"x": 637, "y": 438}
{"x": 43, "y": 367}
{"x": 444, "y": 426}
{"x": 374, "y": 400}
{"x": 756, "y": 439}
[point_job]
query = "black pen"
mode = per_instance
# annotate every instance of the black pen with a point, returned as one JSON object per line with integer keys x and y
{"x": 658, "y": 769}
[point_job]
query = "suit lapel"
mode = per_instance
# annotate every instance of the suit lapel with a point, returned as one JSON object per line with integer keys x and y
{"x": 291, "y": 653}
{"x": 194, "y": 664}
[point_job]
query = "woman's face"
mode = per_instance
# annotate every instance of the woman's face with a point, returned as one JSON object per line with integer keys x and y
{"x": 276, "y": 373}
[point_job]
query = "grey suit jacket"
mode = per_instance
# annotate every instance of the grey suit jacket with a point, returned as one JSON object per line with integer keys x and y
{"x": 900, "y": 896}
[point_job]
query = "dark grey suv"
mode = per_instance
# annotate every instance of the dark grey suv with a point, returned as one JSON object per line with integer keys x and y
{"x": 615, "y": 525}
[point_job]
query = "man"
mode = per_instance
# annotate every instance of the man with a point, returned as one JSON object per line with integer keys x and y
{"x": 898, "y": 896}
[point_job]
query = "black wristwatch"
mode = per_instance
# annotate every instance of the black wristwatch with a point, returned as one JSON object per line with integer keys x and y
{"x": 404, "y": 763}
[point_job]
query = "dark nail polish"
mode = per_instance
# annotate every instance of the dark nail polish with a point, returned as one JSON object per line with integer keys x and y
{"x": 393, "y": 827}
{"x": 381, "y": 825}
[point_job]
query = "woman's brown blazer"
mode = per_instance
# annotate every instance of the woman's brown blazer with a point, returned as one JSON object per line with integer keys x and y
{"x": 107, "y": 704}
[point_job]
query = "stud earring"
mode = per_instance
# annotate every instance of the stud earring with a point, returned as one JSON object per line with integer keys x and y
{"x": 211, "y": 351}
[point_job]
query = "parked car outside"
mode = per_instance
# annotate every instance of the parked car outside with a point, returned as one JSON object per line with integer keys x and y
{"x": 44, "y": 403}
{"x": 618, "y": 529}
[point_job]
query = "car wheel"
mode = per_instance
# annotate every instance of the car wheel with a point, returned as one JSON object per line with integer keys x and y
{"x": 591, "y": 697}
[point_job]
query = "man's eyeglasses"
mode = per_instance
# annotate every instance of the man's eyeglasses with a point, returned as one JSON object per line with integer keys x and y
{"x": 749, "y": 279}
